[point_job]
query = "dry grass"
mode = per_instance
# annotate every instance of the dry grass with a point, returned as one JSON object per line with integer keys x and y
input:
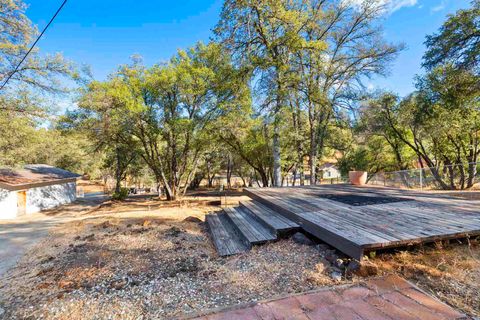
{"x": 139, "y": 259}
{"x": 450, "y": 272}
{"x": 90, "y": 186}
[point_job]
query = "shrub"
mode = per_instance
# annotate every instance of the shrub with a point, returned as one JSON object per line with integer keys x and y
{"x": 122, "y": 195}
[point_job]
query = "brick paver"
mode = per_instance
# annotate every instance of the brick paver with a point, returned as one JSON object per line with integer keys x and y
{"x": 386, "y": 298}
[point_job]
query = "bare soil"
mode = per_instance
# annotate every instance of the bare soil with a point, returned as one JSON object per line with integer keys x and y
{"x": 140, "y": 259}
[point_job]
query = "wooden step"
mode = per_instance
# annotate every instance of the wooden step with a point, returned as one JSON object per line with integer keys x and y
{"x": 248, "y": 227}
{"x": 271, "y": 219}
{"x": 225, "y": 238}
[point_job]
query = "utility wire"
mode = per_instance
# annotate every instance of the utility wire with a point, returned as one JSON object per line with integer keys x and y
{"x": 33, "y": 45}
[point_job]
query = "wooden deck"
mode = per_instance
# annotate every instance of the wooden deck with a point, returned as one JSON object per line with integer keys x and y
{"x": 376, "y": 218}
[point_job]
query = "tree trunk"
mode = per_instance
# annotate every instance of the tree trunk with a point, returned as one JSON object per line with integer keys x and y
{"x": 118, "y": 173}
{"x": 229, "y": 171}
{"x": 277, "y": 165}
{"x": 472, "y": 172}
{"x": 312, "y": 161}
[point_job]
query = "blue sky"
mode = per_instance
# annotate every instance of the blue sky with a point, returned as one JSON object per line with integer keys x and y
{"x": 105, "y": 33}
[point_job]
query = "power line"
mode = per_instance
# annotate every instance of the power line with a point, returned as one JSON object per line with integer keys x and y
{"x": 33, "y": 45}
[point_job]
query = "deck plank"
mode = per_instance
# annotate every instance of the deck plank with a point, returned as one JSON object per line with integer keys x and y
{"x": 425, "y": 217}
{"x": 225, "y": 240}
{"x": 268, "y": 217}
{"x": 252, "y": 230}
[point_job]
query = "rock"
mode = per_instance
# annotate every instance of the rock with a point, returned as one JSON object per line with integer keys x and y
{"x": 192, "y": 219}
{"x": 331, "y": 256}
{"x": 87, "y": 285}
{"x": 300, "y": 238}
{"x": 353, "y": 266}
{"x": 322, "y": 247}
{"x": 119, "y": 284}
{"x": 339, "y": 263}
{"x": 336, "y": 276}
{"x": 173, "y": 231}
{"x": 80, "y": 248}
{"x": 2, "y": 311}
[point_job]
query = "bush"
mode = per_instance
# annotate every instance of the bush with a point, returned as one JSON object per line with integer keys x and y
{"x": 122, "y": 195}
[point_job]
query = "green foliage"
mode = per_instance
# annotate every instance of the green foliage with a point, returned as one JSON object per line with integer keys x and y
{"x": 25, "y": 142}
{"x": 37, "y": 72}
{"x": 120, "y": 195}
{"x": 458, "y": 41}
{"x": 161, "y": 114}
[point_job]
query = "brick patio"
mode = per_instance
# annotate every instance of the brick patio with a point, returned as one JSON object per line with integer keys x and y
{"x": 390, "y": 297}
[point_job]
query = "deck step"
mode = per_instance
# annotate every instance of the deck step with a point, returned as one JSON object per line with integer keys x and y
{"x": 271, "y": 219}
{"x": 227, "y": 241}
{"x": 248, "y": 227}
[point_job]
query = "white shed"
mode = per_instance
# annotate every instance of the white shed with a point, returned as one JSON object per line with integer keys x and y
{"x": 35, "y": 188}
{"x": 330, "y": 171}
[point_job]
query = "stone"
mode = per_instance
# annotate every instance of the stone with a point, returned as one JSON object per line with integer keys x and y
{"x": 173, "y": 231}
{"x": 193, "y": 219}
{"x": 331, "y": 256}
{"x": 336, "y": 276}
{"x": 300, "y": 238}
{"x": 2, "y": 311}
{"x": 339, "y": 263}
{"x": 352, "y": 267}
{"x": 119, "y": 284}
{"x": 322, "y": 247}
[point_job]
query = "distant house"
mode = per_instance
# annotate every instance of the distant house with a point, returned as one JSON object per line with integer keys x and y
{"x": 35, "y": 188}
{"x": 329, "y": 171}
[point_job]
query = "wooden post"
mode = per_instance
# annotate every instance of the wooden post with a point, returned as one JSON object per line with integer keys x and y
{"x": 421, "y": 179}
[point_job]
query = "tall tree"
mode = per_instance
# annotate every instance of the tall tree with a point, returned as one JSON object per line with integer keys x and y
{"x": 263, "y": 35}
{"x": 36, "y": 72}
{"x": 177, "y": 102}
{"x": 103, "y": 116}
{"x": 330, "y": 78}
{"x": 457, "y": 42}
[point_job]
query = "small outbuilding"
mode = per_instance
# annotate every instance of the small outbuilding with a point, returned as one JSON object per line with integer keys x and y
{"x": 330, "y": 171}
{"x": 35, "y": 188}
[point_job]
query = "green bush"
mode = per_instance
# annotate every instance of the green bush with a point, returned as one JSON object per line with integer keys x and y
{"x": 122, "y": 195}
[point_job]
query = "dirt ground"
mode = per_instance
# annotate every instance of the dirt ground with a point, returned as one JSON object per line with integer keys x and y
{"x": 140, "y": 259}
{"x": 90, "y": 186}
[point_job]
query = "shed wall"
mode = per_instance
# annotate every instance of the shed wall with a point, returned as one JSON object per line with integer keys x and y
{"x": 49, "y": 197}
{"x": 8, "y": 204}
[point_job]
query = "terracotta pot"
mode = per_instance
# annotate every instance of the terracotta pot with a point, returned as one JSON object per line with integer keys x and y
{"x": 357, "y": 178}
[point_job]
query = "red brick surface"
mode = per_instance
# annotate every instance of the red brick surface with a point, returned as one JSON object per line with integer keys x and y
{"x": 387, "y": 298}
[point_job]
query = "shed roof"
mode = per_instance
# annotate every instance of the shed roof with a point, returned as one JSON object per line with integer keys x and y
{"x": 32, "y": 176}
{"x": 328, "y": 165}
